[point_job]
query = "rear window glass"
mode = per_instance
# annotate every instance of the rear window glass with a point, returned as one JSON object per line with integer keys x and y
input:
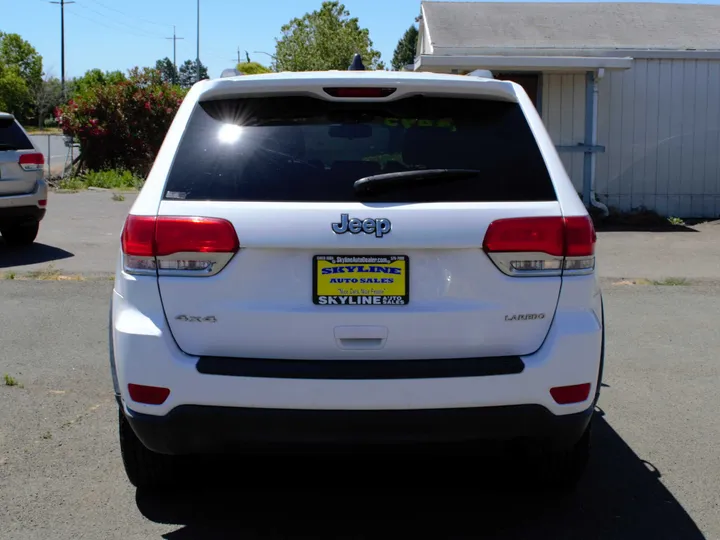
{"x": 305, "y": 149}
{"x": 12, "y": 136}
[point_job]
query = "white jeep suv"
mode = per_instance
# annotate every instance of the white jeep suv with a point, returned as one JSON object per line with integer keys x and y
{"x": 355, "y": 257}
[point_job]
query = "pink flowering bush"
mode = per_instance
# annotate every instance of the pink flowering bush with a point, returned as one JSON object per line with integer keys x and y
{"x": 121, "y": 125}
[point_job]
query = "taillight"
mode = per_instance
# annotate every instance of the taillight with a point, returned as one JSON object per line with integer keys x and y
{"x": 359, "y": 92}
{"x": 177, "y": 245}
{"x": 32, "y": 162}
{"x": 542, "y": 246}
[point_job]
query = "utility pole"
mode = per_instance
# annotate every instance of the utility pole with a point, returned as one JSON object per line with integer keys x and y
{"x": 238, "y": 55}
{"x": 62, "y": 4}
{"x": 174, "y": 38}
{"x": 197, "y": 60}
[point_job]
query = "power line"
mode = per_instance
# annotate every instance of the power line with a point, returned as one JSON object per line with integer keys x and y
{"x": 104, "y": 15}
{"x": 94, "y": 21}
{"x": 130, "y": 16}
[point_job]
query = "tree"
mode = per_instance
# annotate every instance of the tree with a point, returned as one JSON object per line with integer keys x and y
{"x": 19, "y": 61}
{"x": 168, "y": 71}
{"x": 93, "y": 78}
{"x": 48, "y": 97}
{"x": 406, "y": 49}
{"x": 13, "y": 90}
{"x": 322, "y": 40}
{"x": 188, "y": 73}
{"x": 252, "y": 68}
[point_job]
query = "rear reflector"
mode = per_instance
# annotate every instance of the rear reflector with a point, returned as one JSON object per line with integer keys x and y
{"x": 42, "y": 202}
{"x": 542, "y": 246}
{"x": 359, "y": 92}
{"x": 32, "y": 162}
{"x": 150, "y": 395}
{"x": 177, "y": 245}
{"x": 564, "y": 395}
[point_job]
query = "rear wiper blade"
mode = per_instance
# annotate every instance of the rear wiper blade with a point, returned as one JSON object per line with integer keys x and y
{"x": 4, "y": 146}
{"x": 380, "y": 182}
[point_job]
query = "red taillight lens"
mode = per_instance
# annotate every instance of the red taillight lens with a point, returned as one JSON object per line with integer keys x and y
{"x": 42, "y": 202}
{"x": 138, "y": 236}
{"x": 564, "y": 395}
{"x": 177, "y": 245}
{"x": 542, "y": 245}
{"x": 359, "y": 92}
{"x": 540, "y": 234}
{"x": 150, "y": 395}
{"x": 579, "y": 236}
{"x": 32, "y": 162}
{"x": 194, "y": 235}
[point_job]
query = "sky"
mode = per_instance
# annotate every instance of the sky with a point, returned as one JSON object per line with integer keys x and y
{"x": 121, "y": 34}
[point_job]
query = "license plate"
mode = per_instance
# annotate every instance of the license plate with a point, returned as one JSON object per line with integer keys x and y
{"x": 361, "y": 280}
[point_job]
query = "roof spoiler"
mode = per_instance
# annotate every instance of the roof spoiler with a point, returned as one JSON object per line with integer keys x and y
{"x": 484, "y": 73}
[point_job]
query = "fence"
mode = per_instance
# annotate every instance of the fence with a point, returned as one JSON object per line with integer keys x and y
{"x": 59, "y": 153}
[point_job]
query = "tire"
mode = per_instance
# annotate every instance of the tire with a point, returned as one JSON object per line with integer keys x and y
{"x": 144, "y": 468}
{"x": 21, "y": 235}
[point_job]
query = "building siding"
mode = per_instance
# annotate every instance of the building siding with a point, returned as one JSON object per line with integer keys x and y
{"x": 660, "y": 125}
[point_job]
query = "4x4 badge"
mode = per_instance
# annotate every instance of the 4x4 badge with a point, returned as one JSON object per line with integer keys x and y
{"x": 378, "y": 227}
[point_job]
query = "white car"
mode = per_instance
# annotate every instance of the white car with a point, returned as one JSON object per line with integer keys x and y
{"x": 356, "y": 257}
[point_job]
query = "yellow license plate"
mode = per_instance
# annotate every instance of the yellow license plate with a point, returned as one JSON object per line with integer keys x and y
{"x": 361, "y": 280}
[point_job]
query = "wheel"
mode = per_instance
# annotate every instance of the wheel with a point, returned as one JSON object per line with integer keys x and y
{"x": 21, "y": 235}
{"x": 144, "y": 468}
{"x": 560, "y": 470}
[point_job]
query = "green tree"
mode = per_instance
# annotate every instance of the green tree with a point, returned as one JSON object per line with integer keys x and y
{"x": 168, "y": 71}
{"x": 324, "y": 39}
{"x": 406, "y": 49}
{"x": 48, "y": 97}
{"x": 93, "y": 78}
{"x": 19, "y": 59}
{"x": 14, "y": 93}
{"x": 252, "y": 68}
{"x": 188, "y": 73}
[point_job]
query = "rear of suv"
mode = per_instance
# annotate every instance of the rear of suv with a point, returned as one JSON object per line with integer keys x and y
{"x": 23, "y": 192}
{"x": 351, "y": 258}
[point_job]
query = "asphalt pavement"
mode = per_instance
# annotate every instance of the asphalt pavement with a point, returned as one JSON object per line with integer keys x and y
{"x": 654, "y": 473}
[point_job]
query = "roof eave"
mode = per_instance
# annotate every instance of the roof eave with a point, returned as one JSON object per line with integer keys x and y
{"x": 448, "y": 63}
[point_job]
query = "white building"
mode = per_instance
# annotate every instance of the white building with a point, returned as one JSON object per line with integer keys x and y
{"x": 630, "y": 92}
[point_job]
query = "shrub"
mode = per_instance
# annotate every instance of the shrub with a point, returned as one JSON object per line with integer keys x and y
{"x": 121, "y": 124}
{"x": 107, "y": 179}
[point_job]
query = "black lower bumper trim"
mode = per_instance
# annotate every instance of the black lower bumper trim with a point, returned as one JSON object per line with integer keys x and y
{"x": 14, "y": 215}
{"x": 195, "y": 429}
{"x": 360, "y": 369}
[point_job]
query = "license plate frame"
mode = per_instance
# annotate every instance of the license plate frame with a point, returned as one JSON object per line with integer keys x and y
{"x": 362, "y": 293}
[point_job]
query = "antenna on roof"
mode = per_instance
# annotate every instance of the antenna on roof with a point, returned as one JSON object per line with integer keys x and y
{"x": 357, "y": 64}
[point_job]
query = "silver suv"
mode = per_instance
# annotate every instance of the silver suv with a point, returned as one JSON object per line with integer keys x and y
{"x": 23, "y": 192}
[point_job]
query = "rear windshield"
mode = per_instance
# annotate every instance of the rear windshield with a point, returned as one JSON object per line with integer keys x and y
{"x": 12, "y": 136}
{"x": 303, "y": 149}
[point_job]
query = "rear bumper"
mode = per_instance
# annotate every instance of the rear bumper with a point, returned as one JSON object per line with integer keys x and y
{"x": 14, "y": 215}
{"x": 26, "y": 207}
{"x": 194, "y": 429}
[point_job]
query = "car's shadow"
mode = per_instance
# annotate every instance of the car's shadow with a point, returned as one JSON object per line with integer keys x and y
{"x": 34, "y": 254}
{"x": 446, "y": 496}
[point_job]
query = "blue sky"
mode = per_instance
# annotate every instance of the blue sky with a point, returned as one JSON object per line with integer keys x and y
{"x": 120, "y": 34}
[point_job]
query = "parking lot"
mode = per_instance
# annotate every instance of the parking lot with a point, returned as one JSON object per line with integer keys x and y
{"x": 655, "y": 472}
